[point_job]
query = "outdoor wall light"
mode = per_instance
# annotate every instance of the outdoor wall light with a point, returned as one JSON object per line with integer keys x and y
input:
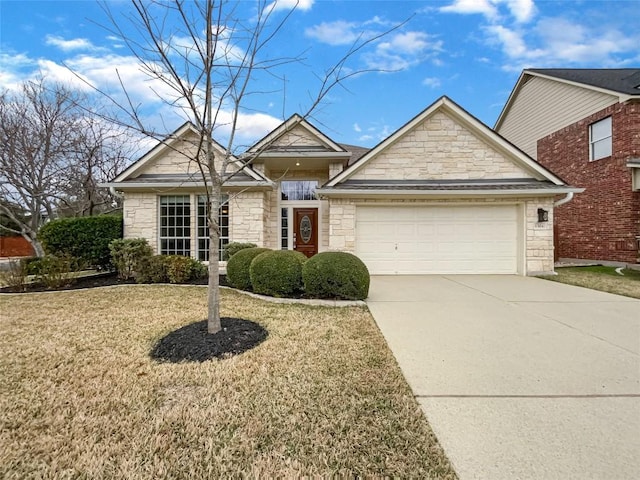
{"x": 543, "y": 215}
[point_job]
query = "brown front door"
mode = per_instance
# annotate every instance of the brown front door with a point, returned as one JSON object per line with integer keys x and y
{"x": 305, "y": 230}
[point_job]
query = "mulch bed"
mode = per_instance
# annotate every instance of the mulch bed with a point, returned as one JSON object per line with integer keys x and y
{"x": 193, "y": 343}
{"x": 106, "y": 279}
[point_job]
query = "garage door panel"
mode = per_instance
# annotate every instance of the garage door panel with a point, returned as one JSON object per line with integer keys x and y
{"x": 422, "y": 240}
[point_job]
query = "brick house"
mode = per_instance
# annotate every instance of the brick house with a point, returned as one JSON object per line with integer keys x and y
{"x": 584, "y": 124}
{"x": 442, "y": 194}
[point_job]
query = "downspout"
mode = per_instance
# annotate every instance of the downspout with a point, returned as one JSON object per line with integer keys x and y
{"x": 115, "y": 193}
{"x": 564, "y": 200}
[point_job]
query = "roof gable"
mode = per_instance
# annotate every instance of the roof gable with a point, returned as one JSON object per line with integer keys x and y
{"x": 621, "y": 83}
{"x": 173, "y": 157}
{"x": 444, "y": 142}
{"x": 295, "y": 134}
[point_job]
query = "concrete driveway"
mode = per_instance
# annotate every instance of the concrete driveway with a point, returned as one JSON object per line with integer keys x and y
{"x": 519, "y": 377}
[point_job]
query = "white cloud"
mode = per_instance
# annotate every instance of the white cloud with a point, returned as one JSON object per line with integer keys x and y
{"x": 356, "y": 127}
{"x": 557, "y": 42}
{"x": 289, "y": 4}
{"x": 68, "y": 45}
{"x": 484, "y": 7}
{"x": 334, "y": 33}
{"x": 402, "y": 51}
{"x": 520, "y": 10}
{"x": 432, "y": 82}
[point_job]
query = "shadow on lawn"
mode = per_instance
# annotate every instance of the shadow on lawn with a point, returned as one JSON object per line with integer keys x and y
{"x": 192, "y": 343}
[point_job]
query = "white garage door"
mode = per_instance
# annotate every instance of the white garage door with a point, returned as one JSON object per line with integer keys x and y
{"x": 423, "y": 240}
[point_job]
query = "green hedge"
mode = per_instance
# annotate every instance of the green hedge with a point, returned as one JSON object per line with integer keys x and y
{"x": 238, "y": 274}
{"x": 84, "y": 238}
{"x": 277, "y": 273}
{"x": 234, "y": 247}
{"x": 336, "y": 275}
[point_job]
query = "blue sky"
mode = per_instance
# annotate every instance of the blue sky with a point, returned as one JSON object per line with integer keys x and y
{"x": 470, "y": 50}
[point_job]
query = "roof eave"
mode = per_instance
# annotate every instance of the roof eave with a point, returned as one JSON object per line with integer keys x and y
{"x": 358, "y": 193}
{"x": 173, "y": 185}
{"x": 262, "y": 155}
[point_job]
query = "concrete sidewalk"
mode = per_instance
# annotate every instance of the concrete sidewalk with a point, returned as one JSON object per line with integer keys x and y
{"x": 519, "y": 377}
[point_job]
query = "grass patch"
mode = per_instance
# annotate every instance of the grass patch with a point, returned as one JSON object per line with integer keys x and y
{"x": 321, "y": 396}
{"x": 601, "y": 278}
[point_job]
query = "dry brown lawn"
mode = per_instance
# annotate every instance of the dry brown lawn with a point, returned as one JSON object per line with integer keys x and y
{"x": 80, "y": 397}
{"x": 600, "y": 278}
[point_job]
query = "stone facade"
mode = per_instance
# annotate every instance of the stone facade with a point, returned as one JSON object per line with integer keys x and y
{"x": 603, "y": 222}
{"x": 439, "y": 149}
{"x": 536, "y": 239}
{"x": 140, "y": 217}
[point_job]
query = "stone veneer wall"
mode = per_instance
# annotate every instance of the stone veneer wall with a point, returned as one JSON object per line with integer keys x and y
{"x": 248, "y": 214}
{"x": 140, "y": 217}
{"x": 439, "y": 149}
{"x": 538, "y": 236}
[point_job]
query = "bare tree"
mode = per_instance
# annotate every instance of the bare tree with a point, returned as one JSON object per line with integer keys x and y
{"x": 209, "y": 62}
{"x": 52, "y": 155}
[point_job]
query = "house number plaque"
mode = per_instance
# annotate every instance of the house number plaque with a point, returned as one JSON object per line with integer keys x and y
{"x": 305, "y": 229}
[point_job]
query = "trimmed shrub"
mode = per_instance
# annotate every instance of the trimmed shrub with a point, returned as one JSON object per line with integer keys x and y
{"x": 127, "y": 255}
{"x": 234, "y": 247}
{"x": 153, "y": 269}
{"x": 238, "y": 274}
{"x": 336, "y": 275}
{"x": 182, "y": 269}
{"x": 85, "y": 238}
{"x": 277, "y": 273}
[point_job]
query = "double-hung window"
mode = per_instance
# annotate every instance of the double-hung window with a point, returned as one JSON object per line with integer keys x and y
{"x": 175, "y": 225}
{"x": 600, "y": 139}
{"x": 203, "y": 227}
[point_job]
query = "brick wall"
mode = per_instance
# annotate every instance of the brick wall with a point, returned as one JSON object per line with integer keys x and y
{"x": 603, "y": 222}
{"x": 15, "y": 247}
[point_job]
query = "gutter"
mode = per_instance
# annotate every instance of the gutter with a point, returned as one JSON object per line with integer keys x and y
{"x": 564, "y": 200}
{"x": 115, "y": 193}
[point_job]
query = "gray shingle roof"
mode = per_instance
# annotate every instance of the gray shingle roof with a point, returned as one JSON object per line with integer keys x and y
{"x": 622, "y": 80}
{"x": 356, "y": 152}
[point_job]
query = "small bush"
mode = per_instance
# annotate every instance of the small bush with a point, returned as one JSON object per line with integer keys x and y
{"x": 336, "y": 275}
{"x": 14, "y": 277}
{"x": 277, "y": 273}
{"x": 85, "y": 238}
{"x": 127, "y": 255}
{"x": 234, "y": 247}
{"x": 153, "y": 270}
{"x": 30, "y": 265}
{"x": 55, "y": 271}
{"x": 238, "y": 274}
{"x": 169, "y": 269}
{"x": 182, "y": 269}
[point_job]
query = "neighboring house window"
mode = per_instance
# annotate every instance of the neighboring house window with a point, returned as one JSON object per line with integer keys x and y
{"x": 600, "y": 139}
{"x": 175, "y": 225}
{"x": 203, "y": 227}
{"x": 298, "y": 190}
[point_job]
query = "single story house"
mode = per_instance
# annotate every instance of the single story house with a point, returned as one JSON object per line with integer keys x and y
{"x": 443, "y": 194}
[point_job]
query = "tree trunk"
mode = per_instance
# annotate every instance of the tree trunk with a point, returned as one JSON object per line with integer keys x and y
{"x": 35, "y": 243}
{"x": 213, "y": 318}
